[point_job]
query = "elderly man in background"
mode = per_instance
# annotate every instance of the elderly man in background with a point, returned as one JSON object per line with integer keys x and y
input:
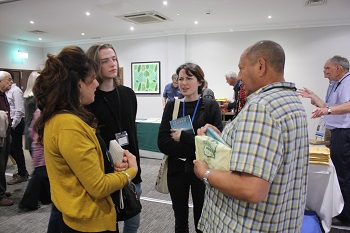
{"x": 16, "y": 101}
{"x": 239, "y": 94}
{"x": 265, "y": 189}
{"x": 336, "y": 111}
{"x": 5, "y": 85}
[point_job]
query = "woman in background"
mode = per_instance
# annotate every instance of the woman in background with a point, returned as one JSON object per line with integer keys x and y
{"x": 38, "y": 188}
{"x": 179, "y": 145}
{"x": 80, "y": 189}
{"x": 115, "y": 107}
{"x": 29, "y": 108}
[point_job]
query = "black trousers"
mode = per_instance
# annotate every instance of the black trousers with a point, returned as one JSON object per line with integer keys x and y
{"x": 179, "y": 185}
{"x": 17, "y": 148}
{"x": 340, "y": 154}
{"x": 38, "y": 189}
{"x": 4, "y": 155}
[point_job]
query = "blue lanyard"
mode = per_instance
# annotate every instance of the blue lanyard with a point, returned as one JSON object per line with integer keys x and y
{"x": 195, "y": 110}
{"x": 340, "y": 82}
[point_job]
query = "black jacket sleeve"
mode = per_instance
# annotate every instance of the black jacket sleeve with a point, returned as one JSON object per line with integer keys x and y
{"x": 166, "y": 144}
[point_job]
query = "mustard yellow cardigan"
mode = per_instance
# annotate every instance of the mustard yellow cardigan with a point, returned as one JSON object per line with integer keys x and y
{"x": 79, "y": 187}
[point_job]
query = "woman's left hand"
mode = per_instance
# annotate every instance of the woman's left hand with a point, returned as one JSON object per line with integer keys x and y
{"x": 176, "y": 134}
{"x": 119, "y": 167}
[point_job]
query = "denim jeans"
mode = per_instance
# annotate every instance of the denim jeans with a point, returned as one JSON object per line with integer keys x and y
{"x": 132, "y": 225}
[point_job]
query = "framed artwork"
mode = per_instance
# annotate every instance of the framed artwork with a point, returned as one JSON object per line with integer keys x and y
{"x": 145, "y": 77}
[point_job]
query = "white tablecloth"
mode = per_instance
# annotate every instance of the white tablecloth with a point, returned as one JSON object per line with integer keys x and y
{"x": 323, "y": 193}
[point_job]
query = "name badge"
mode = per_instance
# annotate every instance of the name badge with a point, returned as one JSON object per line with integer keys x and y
{"x": 122, "y": 138}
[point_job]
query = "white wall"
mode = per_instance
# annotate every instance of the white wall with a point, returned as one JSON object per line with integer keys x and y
{"x": 8, "y": 57}
{"x": 306, "y": 52}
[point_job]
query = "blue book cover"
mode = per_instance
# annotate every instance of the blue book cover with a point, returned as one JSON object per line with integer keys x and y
{"x": 183, "y": 123}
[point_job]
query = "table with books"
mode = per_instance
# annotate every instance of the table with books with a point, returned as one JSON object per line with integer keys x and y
{"x": 147, "y": 135}
{"x": 323, "y": 191}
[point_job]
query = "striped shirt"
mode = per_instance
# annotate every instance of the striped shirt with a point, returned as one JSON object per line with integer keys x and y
{"x": 269, "y": 139}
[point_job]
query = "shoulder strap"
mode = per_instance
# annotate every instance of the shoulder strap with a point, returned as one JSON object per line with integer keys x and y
{"x": 176, "y": 109}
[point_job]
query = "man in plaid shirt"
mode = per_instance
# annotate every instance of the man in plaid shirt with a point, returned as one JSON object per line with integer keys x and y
{"x": 265, "y": 189}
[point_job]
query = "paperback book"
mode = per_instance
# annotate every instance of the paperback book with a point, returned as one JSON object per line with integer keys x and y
{"x": 210, "y": 132}
{"x": 183, "y": 123}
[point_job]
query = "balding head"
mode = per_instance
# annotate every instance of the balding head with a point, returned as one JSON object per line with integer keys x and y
{"x": 261, "y": 64}
{"x": 269, "y": 50}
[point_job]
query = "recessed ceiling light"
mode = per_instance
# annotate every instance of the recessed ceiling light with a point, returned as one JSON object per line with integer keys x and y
{"x": 196, "y": 22}
{"x": 269, "y": 17}
{"x": 132, "y": 28}
{"x": 83, "y": 34}
{"x": 87, "y": 13}
{"x": 40, "y": 38}
{"x": 178, "y": 14}
{"x": 31, "y": 21}
{"x": 165, "y": 3}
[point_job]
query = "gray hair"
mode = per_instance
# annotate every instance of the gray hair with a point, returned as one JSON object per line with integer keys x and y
{"x": 3, "y": 75}
{"x": 231, "y": 74}
{"x": 341, "y": 61}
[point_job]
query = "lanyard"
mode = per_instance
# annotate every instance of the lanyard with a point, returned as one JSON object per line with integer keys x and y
{"x": 340, "y": 82}
{"x": 195, "y": 110}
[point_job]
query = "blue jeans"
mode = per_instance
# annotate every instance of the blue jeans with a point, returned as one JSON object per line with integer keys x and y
{"x": 132, "y": 225}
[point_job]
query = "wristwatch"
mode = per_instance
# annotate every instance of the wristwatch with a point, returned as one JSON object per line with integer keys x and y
{"x": 205, "y": 179}
{"x": 329, "y": 110}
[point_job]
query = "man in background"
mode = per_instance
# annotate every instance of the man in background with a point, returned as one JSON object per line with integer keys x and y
{"x": 16, "y": 101}
{"x": 5, "y": 85}
{"x": 172, "y": 91}
{"x": 337, "y": 69}
{"x": 265, "y": 188}
{"x": 239, "y": 94}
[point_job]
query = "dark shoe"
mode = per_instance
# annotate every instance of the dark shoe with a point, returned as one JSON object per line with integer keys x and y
{"x": 17, "y": 179}
{"x": 5, "y": 201}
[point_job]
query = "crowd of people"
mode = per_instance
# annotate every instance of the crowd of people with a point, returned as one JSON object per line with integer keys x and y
{"x": 78, "y": 101}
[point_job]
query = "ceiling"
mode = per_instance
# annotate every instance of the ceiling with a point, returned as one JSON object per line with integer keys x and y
{"x": 60, "y": 22}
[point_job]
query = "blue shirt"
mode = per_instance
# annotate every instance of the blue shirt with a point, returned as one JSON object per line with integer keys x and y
{"x": 339, "y": 95}
{"x": 170, "y": 92}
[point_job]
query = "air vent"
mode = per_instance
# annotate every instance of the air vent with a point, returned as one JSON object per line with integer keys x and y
{"x": 37, "y": 32}
{"x": 144, "y": 17}
{"x": 315, "y": 2}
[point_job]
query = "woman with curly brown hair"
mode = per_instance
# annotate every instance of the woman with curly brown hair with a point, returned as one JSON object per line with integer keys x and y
{"x": 80, "y": 189}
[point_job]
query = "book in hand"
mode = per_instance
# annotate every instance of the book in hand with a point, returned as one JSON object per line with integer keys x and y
{"x": 183, "y": 123}
{"x": 116, "y": 151}
{"x": 210, "y": 132}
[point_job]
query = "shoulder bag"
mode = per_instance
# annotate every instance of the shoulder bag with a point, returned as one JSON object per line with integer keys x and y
{"x": 162, "y": 182}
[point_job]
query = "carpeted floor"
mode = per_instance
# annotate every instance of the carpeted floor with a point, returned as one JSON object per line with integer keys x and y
{"x": 156, "y": 215}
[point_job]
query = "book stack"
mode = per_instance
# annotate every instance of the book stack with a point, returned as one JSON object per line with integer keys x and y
{"x": 319, "y": 155}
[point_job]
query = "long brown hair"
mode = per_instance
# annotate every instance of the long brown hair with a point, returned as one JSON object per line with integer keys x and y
{"x": 57, "y": 87}
{"x": 93, "y": 53}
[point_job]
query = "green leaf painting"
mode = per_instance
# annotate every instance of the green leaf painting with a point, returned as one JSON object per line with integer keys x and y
{"x": 146, "y": 77}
